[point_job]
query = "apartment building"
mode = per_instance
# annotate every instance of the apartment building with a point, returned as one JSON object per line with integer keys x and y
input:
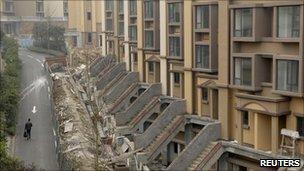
{"x": 18, "y": 17}
{"x": 237, "y": 62}
{"x": 84, "y": 23}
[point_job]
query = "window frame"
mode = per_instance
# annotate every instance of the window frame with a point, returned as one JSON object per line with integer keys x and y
{"x": 241, "y": 79}
{"x": 8, "y": 6}
{"x": 172, "y": 48}
{"x": 202, "y": 20}
{"x": 241, "y": 29}
{"x": 109, "y": 5}
{"x": 89, "y": 15}
{"x": 100, "y": 40}
{"x": 171, "y": 17}
{"x": 176, "y": 78}
{"x": 245, "y": 113}
{"x": 120, "y": 6}
{"x": 39, "y": 3}
{"x": 205, "y": 94}
{"x": 151, "y": 67}
{"x": 300, "y": 130}
{"x": 90, "y": 37}
{"x": 132, "y": 9}
{"x": 277, "y": 27}
{"x": 145, "y": 16}
{"x": 202, "y": 57}
{"x": 121, "y": 28}
{"x": 109, "y": 27}
{"x": 133, "y": 37}
{"x": 152, "y": 40}
{"x": 288, "y": 74}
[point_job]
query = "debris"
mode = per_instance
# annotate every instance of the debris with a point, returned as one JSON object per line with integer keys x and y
{"x": 68, "y": 127}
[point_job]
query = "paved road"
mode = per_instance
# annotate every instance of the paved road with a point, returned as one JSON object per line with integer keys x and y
{"x": 40, "y": 150}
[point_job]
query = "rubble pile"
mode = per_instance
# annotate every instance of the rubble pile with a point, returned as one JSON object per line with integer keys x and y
{"x": 76, "y": 134}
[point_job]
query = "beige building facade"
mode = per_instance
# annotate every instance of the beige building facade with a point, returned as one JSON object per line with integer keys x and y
{"x": 235, "y": 61}
{"x": 18, "y": 17}
{"x": 82, "y": 23}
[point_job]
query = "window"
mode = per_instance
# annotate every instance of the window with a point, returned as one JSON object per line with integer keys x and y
{"x": 133, "y": 7}
{"x": 287, "y": 75}
{"x": 149, "y": 40}
{"x": 9, "y": 6}
{"x": 151, "y": 66}
{"x": 40, "y": 14}
{"x": 66, "y": 14}
{"x": 243, "y": 22}
{"x": 202, "y": 56}
{"x": 205, "y": 94}
{"x": 65, "y": 8}
{"x": 89, "y": 15}
{"x": 245, "y": 118}
{"x": 288, "y": 21}
{"x": 175, "y": 147}
{"x": 39, "y": 7}
{"x": 148, "y": 9}
{"x": 242, "y": 71}
{"x": 242, "y": 168}
{"x": 132, "y": 33}
{"x": 174, "y": 12}
{"x": 109, "y": 24}
{"x": 300, "y": 125}
{"x": 89, "y": 37}
{"x": 74, "y": 39}
{"x": 121, "y": 28}
{"x": 174, "y": 46}
{"x": 109, "y": 5}
{"x": 176, "y": 78}
{"x": 202, "y": 17}
{"x": 121, "y": 6}
{"x": 8, "y": 28}
{"x": 135, "y": 57}
{"x": 100, "y": 40}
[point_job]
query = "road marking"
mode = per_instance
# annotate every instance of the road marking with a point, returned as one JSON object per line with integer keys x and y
{"x": 42, "y": 65}
{"x": 55, "y": 142}
{"x": 49, "y": 97}
{"x": 34, "y": 110}
{"x": 54, "y": 132}
{"x": 49, "y": 90}
{"x": 30, "y": 56}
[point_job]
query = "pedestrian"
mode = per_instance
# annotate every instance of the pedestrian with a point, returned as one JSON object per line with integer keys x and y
{"x": 28, "y": 127}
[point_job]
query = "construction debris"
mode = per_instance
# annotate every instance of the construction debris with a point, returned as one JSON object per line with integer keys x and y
{"x": 76, "y": 135}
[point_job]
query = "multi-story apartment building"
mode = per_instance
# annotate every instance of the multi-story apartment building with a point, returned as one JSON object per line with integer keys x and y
{"x": 113, "y": 28}
{"x": 237, "y": 62}
{"x": 18, "y": 17}
{"x": 84, "y": 23}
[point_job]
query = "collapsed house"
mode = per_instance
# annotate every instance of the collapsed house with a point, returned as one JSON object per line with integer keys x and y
{"x": 151, "y": 131}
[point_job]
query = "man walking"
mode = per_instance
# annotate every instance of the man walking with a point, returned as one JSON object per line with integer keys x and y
{"x": 28, "y": 127}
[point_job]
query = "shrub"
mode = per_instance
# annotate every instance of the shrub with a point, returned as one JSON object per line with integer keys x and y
{"x": 10, "y": 84}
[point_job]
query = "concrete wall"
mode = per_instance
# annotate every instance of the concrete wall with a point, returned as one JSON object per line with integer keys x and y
{"x": 139, "y": 104}
{"x": 211, "y": 132}
{"x": 175, "y": 108}
{"x": 105, "y": 62}
{"x": 109, "y": 76}
{"x": 118, "y": 89}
